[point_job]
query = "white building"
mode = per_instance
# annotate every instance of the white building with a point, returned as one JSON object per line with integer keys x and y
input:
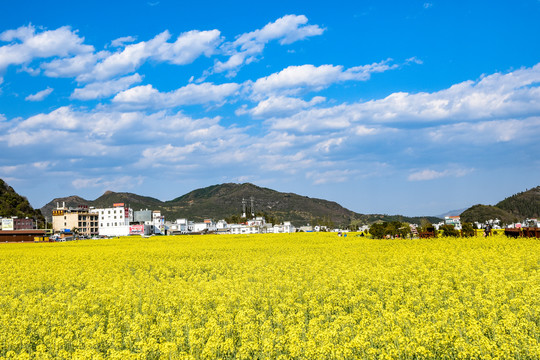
{"x": 158, "y": 221}
{"x": 243, "y": 229}
{"x": 221, "y": 224}
{"x": 114, "y": 221}
{"x": 207, "y": 226}
{"x": 453, "y": 220}
{"x": 286, "y": 227}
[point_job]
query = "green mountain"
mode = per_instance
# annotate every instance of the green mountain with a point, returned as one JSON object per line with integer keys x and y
{"x": 13, "y": 204}
{"x": 524, "y": 204}
{"x": 518, "y": 207}
{"x": 225, "y": 201}
{"x": 483, "y": 213}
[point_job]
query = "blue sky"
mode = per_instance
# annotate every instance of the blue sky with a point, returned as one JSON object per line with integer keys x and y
{"x": 396, "y": 107}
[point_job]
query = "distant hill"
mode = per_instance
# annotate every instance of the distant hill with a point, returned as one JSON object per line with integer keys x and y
{"x": 451, "y": 213}
{"x": 13, "y": 204}
{"x": 483, "y": 213}
{"x": 518, "y": 207}
{"x": 225, "y": 200}
{"x": 524, "y": 204}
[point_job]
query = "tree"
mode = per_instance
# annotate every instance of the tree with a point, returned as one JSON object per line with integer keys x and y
{"x": 377, "y": 230}
{"x": 467, "y": 230}
{"x": 449, "y": 230}
{"x": 392, "y": 229}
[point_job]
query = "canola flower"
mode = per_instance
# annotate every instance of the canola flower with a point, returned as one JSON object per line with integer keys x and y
{"x": 298, "y": 296}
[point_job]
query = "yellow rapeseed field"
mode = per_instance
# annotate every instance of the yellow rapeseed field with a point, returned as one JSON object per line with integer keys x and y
{"x": 299, "y": 296}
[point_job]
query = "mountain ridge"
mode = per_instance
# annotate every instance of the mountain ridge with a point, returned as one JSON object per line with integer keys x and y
{"x": 517, "y": 207}
{"x": 225, "y": 200}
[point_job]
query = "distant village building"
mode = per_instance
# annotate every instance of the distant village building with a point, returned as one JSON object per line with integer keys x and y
{"x": 453, "y": 220}
{"x": 207, "y": 226}
{"x": 115, "y": 221}
{"x": 180, "y": 226}
{"x": 147, "y": 222}
{"x": 14, "y": 223}
{"x": 79, "y": 218}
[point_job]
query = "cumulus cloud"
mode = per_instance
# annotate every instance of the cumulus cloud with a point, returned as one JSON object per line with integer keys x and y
{"x": 72, "y": 66}
{"x": 492, "y": 97}
{"x": 146, "y": 96}
{"x": 103, "y": 89}
{"x": 26, "y": 45}
{"x": 294, "y": 79}
{"x": 122, "y": 41}
{"x": 485, "y": 132}
{"x": 280, "y": 106}
{"x": 245, "y": 49}
{"x": 40, "y": 95}
{"x": 187, "y": 47}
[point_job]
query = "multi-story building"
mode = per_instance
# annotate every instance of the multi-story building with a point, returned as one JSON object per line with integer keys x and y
{"x": 23, "y": 224}
{"x": 158, "y": 222}
{"x": 15, "y": 223}
{"x": 453, "y": 220}
{"x": 79, "y": 219}
{"x": 114, "y": 221}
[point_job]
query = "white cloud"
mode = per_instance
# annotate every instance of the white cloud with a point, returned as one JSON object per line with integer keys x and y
{"x": 146, "y": 96}
{"x": 72, "y": 66}
{"x": 103, "y": 89}
{"x": 493, "y": 97}
{"x": 428, "y": 174}
{"x": 485, "y": 132}
{"x": 328, "y": 145}
{"x": 126, "y": 61}
{"x": 170, "y": 153}
{"x": 246, "y": 47}
{"x": 122, "y": 41}
{"x": 294, "y": 79}
{"x": 119, "y": 183}
{"x": 187, "y": 47}
{"x": 50, "y": 43}
{"x": 331, "y": 176}
{"x": 280, "y": 106}
{"x": 40, "y": 95}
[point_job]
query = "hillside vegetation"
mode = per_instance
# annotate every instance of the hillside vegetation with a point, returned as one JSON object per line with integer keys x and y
{"x": 13, "y": 204}
{"x": 225, "y": 200}
{"x": 518, "y": 207}
{"x": 524, "y": 204}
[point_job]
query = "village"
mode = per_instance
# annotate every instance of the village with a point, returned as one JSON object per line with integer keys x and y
{"x": 84, "y": 222}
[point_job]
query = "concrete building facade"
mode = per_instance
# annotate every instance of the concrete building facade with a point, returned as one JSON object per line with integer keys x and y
{"x": 79, "y": 218}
